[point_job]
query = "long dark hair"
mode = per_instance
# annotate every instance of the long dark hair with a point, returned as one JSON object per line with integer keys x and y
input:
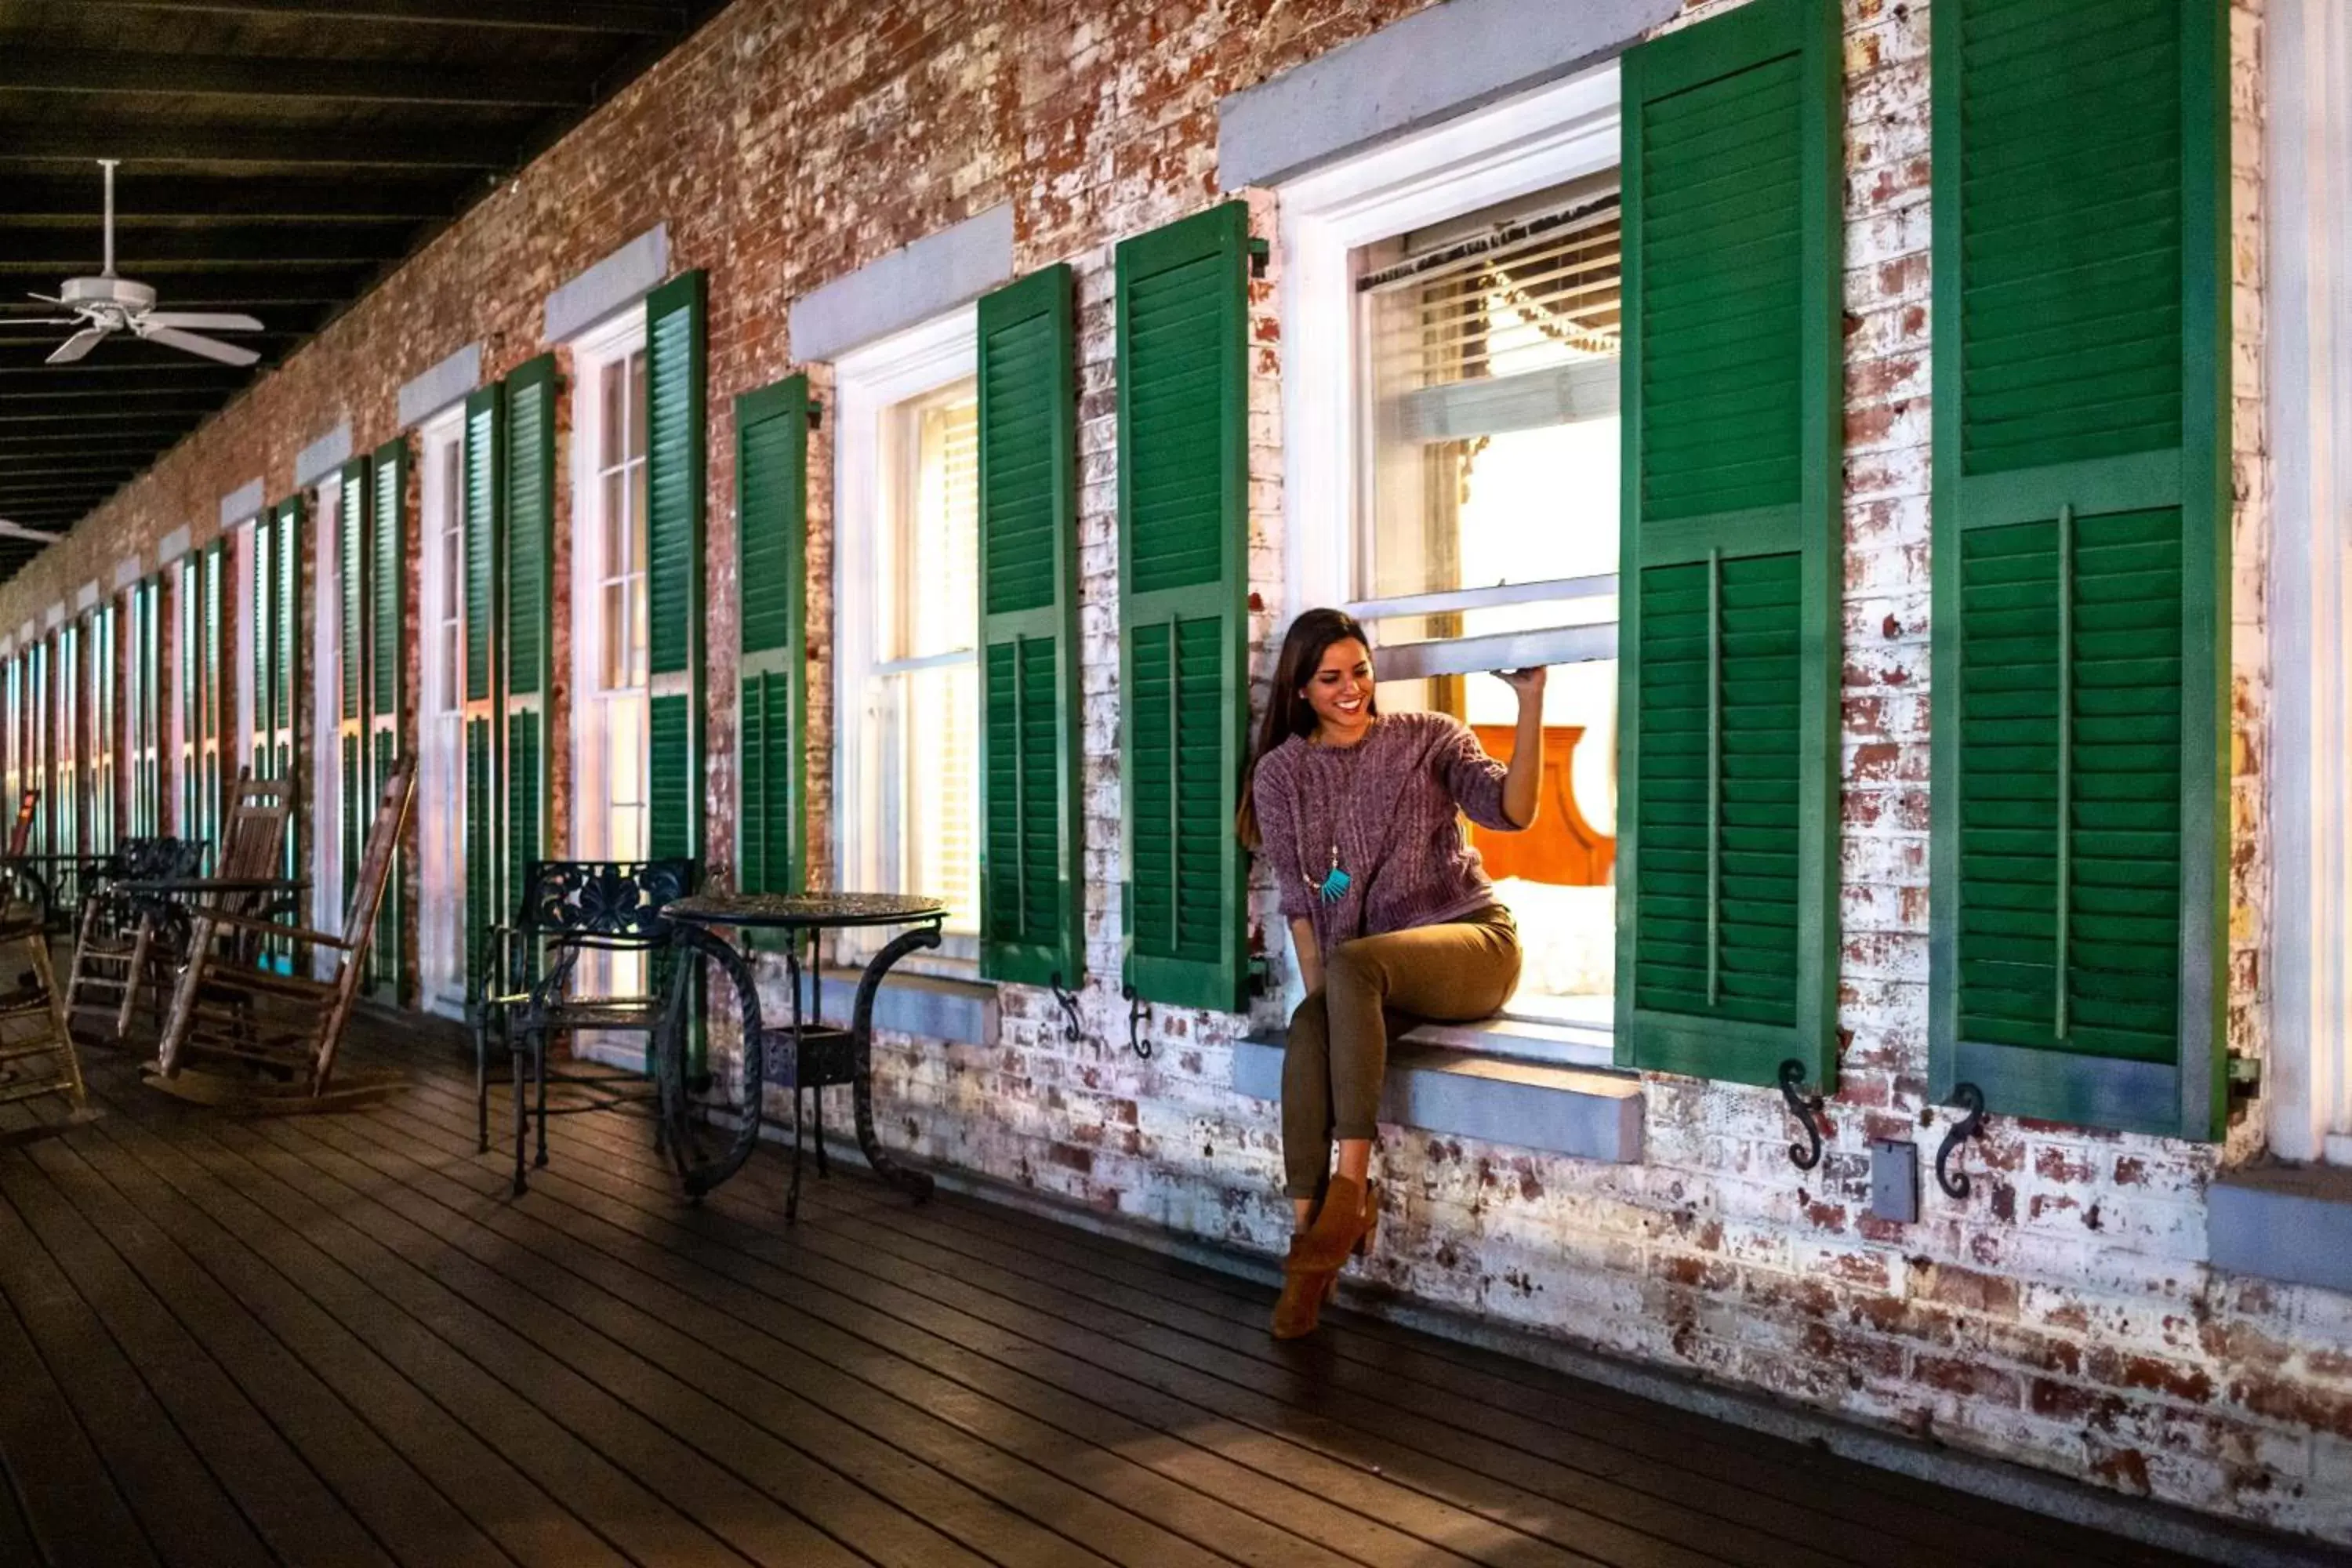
{"x": 1287, "y": 711}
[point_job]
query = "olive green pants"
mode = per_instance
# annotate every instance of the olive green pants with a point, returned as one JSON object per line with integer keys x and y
{"x": 1374, "y": 987}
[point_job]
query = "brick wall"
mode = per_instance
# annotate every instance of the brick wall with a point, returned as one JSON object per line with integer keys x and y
{"x": 2063, "y": 1316}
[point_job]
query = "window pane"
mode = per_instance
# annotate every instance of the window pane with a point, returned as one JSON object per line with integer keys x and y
{"x": 610, "y": 634}
{"x": 1493, "y": 423}
{"x": 942, "y": 712}
{"x": 941, "y": 572}
{"x": 638, "y": 516}
{"x": 636, "y": 445}
{"x": 614, "y": 504}
{"x": 613, "y": 436}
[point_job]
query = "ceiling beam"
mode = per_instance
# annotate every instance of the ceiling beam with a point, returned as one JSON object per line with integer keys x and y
{"x": 110, "y": 74}
{"x": 574, "y": 16}
{"x": 157, "y": 419}
{"x": 335, "y": 246}
{"x": 141, "y": 197}
{"x": 274, "y": 147}
{"x": 33, "y": 447}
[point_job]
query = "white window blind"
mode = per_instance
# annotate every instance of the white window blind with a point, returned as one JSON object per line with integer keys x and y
{"x": 1513, "y": 328}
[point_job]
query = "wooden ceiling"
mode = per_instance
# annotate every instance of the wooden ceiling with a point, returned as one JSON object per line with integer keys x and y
{"x": 279, "y": 158}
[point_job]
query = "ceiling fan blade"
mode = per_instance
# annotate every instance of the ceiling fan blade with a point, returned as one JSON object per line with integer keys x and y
{"x": 18, "y": 530}
{"x": 43, "y": 299}
{"x": 40, "y": 320}
{"x": 206, "y": 320}
{"x": 80, "y": 344}
{"x": 189, "y": 343}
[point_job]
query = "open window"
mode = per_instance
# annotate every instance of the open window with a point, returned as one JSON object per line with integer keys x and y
{"x": 1456, "y": 486}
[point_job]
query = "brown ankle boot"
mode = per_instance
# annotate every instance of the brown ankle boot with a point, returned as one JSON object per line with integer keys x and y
{"x": 1305, "y": 1290}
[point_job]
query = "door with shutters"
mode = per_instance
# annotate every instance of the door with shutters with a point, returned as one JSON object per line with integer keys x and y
{"x": 339, "y": 514}
{"x": 2082, "y": 633}
{"x": 610, "y": 732}
{"x": 1727, "y": 855}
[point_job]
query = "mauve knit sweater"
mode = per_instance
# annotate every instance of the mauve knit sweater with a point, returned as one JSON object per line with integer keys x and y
{"x": 1392, "y": 803}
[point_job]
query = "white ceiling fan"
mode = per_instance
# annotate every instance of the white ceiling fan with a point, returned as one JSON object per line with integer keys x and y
{"x": 106, "y": 304}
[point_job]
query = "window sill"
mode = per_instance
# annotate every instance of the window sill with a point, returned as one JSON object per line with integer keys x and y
{"x": 1549, "y": 1042}
{"x": 931, "y": 1006}
{"x": 1523, "y": 1104}
{"x": 2288, "y": 1223}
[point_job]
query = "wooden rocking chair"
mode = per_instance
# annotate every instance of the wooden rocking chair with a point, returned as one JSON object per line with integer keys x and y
{"x": 244, "y": 881}
{"x": 36, "y": 1048}
{"x": 243, "y": 1033}
{"x": 113, "y": 946}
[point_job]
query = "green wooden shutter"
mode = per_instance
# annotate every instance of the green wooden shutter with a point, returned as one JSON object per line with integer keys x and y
{"x": 2082, "y": 494}
{"x": 675, "y": 499}
{"x": 772, "y": 695}
{"x": 290, "y": 628}
{"x": 351, "y": 640}
{"x": 387, "y": 618}
{"x": 529, "y": 523}
{"x": 1728, "y": 646}
{"x": 484, "y": 463}
{"x": 1183, "y": 481}
{"x": 262, "y": 642}
{"x": 1031, "y": 840}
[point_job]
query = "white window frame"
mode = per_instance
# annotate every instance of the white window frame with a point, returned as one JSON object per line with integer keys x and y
{"x": 1547, "y": 138}
{"x": 870, "y": 382}
{"x": 1559, "y": 133}
{"x": 615, "y": 339}
{"x": 441, "y": 818}
{"x": 2309, "y": 338}
{"x": 327, "y": 891}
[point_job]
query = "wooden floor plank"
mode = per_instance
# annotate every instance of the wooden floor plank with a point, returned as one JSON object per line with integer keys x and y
{"x": 1855, "y": 1514}
{"x": 339, "y": 1339}
{"x": 689, "y": 1446}
{"x": 180, "y": 1503}
{"x": 562, "y": 1430}
{"x": 786, "y": 1436}
{"x": 72, "y": 1510}
{"x": 1182, "y": 1441}
{"x": 397, "y": 1505}
{"x": 1116, "y": 1346}
{"x": 837, "y": 1411}
{"x": 528, "y": 1524}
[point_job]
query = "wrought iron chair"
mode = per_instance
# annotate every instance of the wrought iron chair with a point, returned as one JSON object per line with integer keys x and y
{"x": 109, "y": 953}
{"x": 36, "y": 1050}
{"x": 242, "y": 1032}
{"x": 571, "y": 908}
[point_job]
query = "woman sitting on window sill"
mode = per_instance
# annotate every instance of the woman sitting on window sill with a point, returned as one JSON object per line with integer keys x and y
{"x": 1357, "y": 816}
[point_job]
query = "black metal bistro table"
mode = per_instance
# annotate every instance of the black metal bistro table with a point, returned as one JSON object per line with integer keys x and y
{"x": 807, "y": 1054}
{"x": 46, "y": 878}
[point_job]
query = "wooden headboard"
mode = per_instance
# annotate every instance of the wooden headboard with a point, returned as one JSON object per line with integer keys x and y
{"x": 1563, "y": 847}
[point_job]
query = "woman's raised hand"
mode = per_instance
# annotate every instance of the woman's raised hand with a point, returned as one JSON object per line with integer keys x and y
{"x": 1527, "y": 683}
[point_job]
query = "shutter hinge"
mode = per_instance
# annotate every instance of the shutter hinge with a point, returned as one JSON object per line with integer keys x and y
{"x": 815, "y": 413}
{"x": 1260, "y": 254}
{"x": 2245, "y": 1084}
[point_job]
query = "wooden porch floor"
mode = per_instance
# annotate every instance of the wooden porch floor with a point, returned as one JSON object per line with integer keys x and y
{"x": 336, "y": 1340}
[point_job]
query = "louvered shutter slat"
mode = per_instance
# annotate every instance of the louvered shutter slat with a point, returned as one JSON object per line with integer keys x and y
{"x": 1726, "y": 858}
{"x": 485, "y": 432}
{"x": 676, "y": 483}
{"x": 1181, "y": 308}
{"x": 1030, "y": 916}
{"x": 771, "y": 523}
{"x": 2080, "y": 553}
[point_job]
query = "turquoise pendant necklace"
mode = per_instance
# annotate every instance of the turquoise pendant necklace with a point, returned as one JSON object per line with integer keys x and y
{"x": 1336, "y": 882}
